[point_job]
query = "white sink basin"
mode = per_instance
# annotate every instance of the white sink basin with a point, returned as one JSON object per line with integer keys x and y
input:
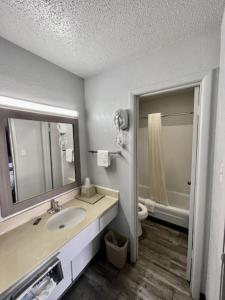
{"x": 67, "y": 218}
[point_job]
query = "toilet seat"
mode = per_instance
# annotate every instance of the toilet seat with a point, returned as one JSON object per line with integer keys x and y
{"x": 143, "y": 212}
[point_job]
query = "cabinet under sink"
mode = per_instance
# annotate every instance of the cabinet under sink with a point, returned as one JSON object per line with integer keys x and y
{"x": 79, "y": 251}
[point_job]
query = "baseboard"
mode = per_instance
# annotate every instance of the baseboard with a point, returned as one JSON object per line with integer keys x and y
{"x": 167, "y": 224}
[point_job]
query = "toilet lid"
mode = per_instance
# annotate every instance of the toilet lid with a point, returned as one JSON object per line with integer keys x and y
{"x": 142, "y": 208}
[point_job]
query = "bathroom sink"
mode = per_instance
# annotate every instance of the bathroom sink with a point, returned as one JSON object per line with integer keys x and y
{"x": 67, "y": 218}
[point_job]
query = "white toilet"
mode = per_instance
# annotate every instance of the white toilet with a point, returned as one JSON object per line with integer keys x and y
{"x": 142, "y": 215}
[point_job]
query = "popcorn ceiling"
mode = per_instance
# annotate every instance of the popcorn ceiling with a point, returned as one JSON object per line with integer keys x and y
{"x": 87, "y": 37}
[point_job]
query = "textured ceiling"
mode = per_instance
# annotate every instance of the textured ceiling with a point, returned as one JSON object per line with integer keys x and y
{"x": 89, "y": 36}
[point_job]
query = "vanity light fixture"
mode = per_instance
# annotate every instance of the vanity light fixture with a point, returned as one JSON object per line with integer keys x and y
{"x": 24, "y": 105}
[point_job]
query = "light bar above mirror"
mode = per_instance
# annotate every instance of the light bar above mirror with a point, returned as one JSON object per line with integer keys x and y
{"x": 24, "y": 105}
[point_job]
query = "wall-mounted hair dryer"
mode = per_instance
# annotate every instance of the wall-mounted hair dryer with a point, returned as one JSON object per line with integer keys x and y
{"x": 61, "y": 128}
{"x": 121, "y": 123}
{"x": 62, "y": 135}
{"x": 121, "y": 119}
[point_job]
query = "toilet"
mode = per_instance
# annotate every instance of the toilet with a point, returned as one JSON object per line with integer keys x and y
{"x": 142, "y": 215}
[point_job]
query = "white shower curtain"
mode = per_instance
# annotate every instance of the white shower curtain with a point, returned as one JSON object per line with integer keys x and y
{"x": 157, "y": 172}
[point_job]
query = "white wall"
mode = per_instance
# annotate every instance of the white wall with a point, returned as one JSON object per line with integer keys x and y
{"x": 27, "y": 76}
{"x": 109, "y": 91}
{"x": 218, "y": 195}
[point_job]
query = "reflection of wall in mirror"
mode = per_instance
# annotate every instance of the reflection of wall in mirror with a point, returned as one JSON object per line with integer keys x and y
{"x": 28, "y": 158}
{"x": 39, "y": 159}
{"x": 67, "y": 142}
{"x": 56, "y": 156}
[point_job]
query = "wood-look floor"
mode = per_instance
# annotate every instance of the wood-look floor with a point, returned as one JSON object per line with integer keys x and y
{"x": 158, "y": 274}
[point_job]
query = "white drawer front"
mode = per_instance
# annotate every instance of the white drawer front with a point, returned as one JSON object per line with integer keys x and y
{"x": 81, "y": 260}
{"x": 108, "y": 217}
{"x": 77, "y": 244}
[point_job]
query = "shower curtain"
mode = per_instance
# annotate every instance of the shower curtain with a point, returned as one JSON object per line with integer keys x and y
{"x": 157, "y": 172}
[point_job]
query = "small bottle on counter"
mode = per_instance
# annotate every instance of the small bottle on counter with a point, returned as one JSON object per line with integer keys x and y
{"x": 88, "y": 190}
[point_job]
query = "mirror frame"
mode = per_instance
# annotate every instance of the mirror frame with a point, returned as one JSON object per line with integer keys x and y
{"x": 6, "y": 201}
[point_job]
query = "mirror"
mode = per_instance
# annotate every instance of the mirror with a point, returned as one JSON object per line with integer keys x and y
{"x": 42, "y": 156}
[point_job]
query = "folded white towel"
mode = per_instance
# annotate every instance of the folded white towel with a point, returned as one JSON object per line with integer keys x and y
{"x": 103, "y": 158}
{"x": 69, "y": 155}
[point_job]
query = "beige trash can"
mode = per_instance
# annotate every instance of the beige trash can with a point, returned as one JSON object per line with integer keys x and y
{"x": 116, "y": 248}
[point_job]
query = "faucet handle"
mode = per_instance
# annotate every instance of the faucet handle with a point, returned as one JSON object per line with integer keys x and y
{"x": 54, "y": 207}
{"x": 57, "y": 206}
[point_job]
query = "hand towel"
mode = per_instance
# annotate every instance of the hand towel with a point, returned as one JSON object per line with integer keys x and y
{"x": 103, "y": 158}
{"x": 69, "y": 155}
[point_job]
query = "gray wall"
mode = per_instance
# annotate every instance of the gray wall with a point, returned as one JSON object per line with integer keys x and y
{"x": 27, "y": 144}
{"x": 27, "y": 76}
{"x": 109, "y": 91}
{"x": 218, "y": 193}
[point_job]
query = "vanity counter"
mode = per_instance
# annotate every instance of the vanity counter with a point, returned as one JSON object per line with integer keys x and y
{"x": 26, "y": 247}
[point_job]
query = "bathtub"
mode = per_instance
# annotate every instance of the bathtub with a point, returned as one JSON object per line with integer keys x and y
{"x": 177, "y": 212}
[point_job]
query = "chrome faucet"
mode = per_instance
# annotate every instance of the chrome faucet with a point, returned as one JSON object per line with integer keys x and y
{"x": 54, "y": 207}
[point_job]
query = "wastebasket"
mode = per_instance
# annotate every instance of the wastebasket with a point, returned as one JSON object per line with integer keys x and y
{"x": 116, "y": 248}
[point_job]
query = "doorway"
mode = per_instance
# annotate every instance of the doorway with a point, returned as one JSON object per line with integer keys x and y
{"x": 203, "y": 114}
{"x": 166, "y": 146}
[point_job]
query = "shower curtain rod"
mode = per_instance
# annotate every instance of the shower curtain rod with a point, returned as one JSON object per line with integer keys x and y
{"x": 171, "y": 115}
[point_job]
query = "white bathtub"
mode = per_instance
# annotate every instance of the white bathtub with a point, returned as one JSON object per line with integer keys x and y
{"x": 177, "y": 212}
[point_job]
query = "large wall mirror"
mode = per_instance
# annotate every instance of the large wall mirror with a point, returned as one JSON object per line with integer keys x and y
{"x": 39, "y": 158}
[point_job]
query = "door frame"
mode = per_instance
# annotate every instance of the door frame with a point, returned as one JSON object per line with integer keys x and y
{"x": 193, "y": 180}
{"x": 205, "y": 81}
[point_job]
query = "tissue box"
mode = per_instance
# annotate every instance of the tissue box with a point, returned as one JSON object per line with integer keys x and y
{"x": 88, "y": 191}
